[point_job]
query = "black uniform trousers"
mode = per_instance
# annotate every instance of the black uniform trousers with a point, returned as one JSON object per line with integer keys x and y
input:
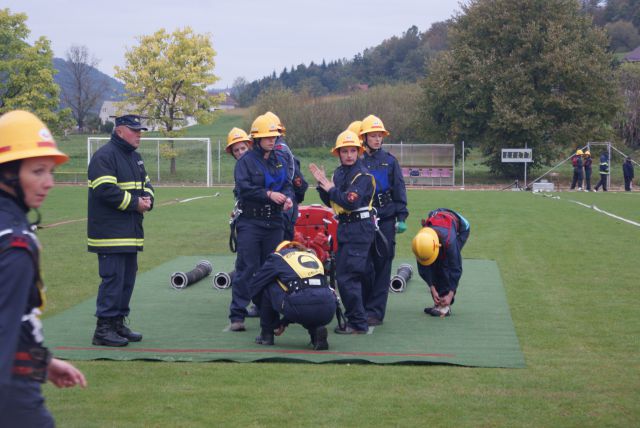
{"x": 311, "y": 307}
{"x": 118, "y": 273}
{"x": 255, "y": 243}
{"x": 23, "y": 406}
{"x": 375, "y": 291}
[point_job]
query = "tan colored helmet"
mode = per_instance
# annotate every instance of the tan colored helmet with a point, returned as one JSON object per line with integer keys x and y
{"x": 347, "y": 139}
{"x": 587, "y": 153}
{"x": 23, "y": 135}
{"x": 372, "y": 123}
{"x": 276, "y": 119}
{"x": 264, "y": 126}
{"x": 236, "y": 135}
{"x": 426, "y": 246}
{"x": 355, "y": 127}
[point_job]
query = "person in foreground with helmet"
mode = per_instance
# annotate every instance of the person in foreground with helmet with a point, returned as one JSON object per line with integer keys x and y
{"x": 264, "y": 191}
{"x": 576, "y": 160}
{"x": 238, "y": 143}
{"x": 587, "y": 162}
{"x": 350, "y": 194}
{"x": 437, "y": 247}
{"x": 120, "y": 192}
{"x": 28, "y": 156}
{"x": 390, "y": 202}
{"x": 292, "y": 282}
{"x": 603, "y": 169}
{"x": 298, "y": 182}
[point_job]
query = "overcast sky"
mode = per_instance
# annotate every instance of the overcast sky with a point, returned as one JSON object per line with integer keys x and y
{"x": 252, "y": 38}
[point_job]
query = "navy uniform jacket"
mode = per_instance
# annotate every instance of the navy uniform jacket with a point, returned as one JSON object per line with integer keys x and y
{"x": 604, "y": 164}
{"x": 20, "y": 296}
{"x": 300, "y": 185}
{"x": 254, "y": 176}
{"x": 117, "y": 178}
{"x": 350, "y": 192}
{"x": 627, "y": 169}
{"x": 587, "y": 164}
{"x": 385, "y": 168}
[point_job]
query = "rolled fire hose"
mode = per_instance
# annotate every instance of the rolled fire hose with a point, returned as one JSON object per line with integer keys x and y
{"x": 399, "y": 281}
{"x": 181, "y": 280}
{"x": 221, "y": 281}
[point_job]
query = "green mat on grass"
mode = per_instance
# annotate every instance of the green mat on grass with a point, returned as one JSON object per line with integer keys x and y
{"x": 190, "y": 325}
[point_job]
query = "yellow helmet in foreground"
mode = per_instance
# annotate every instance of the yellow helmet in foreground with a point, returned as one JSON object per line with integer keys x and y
{"x": 579, "y": 152}
{"x": 372, "y": 123}
{"x": 23, "y": 135}
{"x": 236, "y": 135}
{"x": 347, "y": 139}
{"x": 426, "y": 246}
{"x": 264, "y": 126}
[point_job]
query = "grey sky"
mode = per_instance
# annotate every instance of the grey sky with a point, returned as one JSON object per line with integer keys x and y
{"x": 252, "y": 38}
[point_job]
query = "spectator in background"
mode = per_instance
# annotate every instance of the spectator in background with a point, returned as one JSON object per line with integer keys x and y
{"x": 627, "y": 172}
{"x": 576, "y": 160}
{"x": 604, "y": 172}
{"x": 587, "y": 170}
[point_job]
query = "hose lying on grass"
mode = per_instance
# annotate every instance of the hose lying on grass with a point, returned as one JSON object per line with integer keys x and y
{"x": 181, "y": 280}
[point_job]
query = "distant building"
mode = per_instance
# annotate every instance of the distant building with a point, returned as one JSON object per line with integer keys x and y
{"x": 633, "y": 56}
{"x": 228, "y": 103}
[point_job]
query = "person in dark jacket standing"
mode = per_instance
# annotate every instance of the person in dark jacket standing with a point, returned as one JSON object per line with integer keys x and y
{"x": 120, "y": 192}
{"x": 390, "y": 202}
{"x": 587, "y": 162}
{"x": 627, "y": 172}
{"x": 264, "y": 191}
{"x": 437, "y": 247}
{"x": 604, "y": 172}
{"x": 350, "y": 194}
{"x": 292, "y": 282}
{"x": 577, "y": 170}
{"x": 28, "y": 156}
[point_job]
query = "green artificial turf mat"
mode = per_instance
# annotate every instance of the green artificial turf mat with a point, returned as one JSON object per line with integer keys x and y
{"x": 190, "y": 325}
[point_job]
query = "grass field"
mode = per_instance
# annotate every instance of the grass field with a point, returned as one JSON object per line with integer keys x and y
{"x": 571, "y": 278}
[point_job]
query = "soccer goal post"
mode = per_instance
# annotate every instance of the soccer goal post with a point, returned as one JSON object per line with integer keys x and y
{"x": 170, "y": 160}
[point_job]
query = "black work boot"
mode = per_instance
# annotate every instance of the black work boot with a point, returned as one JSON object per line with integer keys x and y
{"x": 124, "y": 331}
{"x": 105, "y": 334}
{"x": 319, "y": 338}
{"x": 266, "y": 338}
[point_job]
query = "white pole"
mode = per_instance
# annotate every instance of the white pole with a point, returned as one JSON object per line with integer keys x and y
{"x": 525, "y": 171}
{"x": 158, "y": 158}
{"x": 88, "y": 150}
{"x": 218, "y": 161}
{"x": 208, "y": 162}
{"x": 462, "y": 165}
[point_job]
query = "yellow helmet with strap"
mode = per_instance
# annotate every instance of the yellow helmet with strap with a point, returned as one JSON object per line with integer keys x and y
{"x": 372, "y": 123}
{"x": 426, "y": 246}
{"x": 264, "y": 126}
{"x": 274, "y": 117}
{"x": 23, "y": 135}
{"x": 236, "y": 135}
{"x": 347, "y": 139}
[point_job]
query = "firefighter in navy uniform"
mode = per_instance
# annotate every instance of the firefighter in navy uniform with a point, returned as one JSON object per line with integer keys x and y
{"x": 576, "y": 161}
{"x": 390, "y": 202}
{"x": 292, "y": 282}
{"x": 350, "y": 195}
{"x": 437, "y": 247}
{"x": 298, "y": 182}
{"x": 603, "y": 169}
{"x": 264, "y": 192}
{"x": 588, "y": 162}
{"x": 120, "y": 192}
{"x": 28, "y": 155}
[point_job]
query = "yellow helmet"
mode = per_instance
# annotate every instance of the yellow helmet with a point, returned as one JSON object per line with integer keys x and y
{"x": 579, "y": 152}
{"x": 291, "y": 244}
{"x": 264, "y": 126}
{"x": 23, "y": 135}
{"x": 236, "y": 135}
{"x": 587, "y": 153}
{"x": 355, "y": 127}
{"x": 372, "y": 123}
{"x": 347, "y": 139}
{"x": 426, "y": 246}
{"x": 276, "y": 119}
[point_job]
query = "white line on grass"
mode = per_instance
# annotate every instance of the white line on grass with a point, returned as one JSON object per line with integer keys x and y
{"x": 593, "y": 207}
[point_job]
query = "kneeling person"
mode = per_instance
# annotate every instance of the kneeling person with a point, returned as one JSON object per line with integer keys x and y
{"x": 437, "y": 247}
{"x": 292, "y": 282}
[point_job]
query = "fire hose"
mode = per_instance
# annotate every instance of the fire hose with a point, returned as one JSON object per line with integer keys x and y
{"x": 180, "y": 280}
{"x": 222, "y": 280}
{"x": 399, "y": 281}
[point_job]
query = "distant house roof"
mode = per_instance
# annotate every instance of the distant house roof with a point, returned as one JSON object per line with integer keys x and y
{"x": 633, "y": 56}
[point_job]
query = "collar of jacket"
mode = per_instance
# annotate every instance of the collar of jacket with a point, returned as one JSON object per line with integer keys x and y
{"x": 122, "y": 144}
{"x": 15, "y": 200}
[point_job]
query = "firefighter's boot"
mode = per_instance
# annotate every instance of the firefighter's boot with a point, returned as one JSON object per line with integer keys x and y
{"x": 121, "y": 328}
{"x": 106, "y": 335}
